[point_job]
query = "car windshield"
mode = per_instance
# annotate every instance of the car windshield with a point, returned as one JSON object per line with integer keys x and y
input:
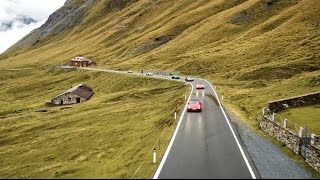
{"x": 193, "y": 102}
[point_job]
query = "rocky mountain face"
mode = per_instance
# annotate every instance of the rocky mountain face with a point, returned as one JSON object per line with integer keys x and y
{"x": 68, "y": 16}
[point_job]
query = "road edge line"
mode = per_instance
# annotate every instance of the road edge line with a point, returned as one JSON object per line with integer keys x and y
{"x": 234, "y": 135}
{"x": 164, "y": 158}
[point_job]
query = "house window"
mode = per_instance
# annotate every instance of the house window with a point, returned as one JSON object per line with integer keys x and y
{"x": 69, "y": 98}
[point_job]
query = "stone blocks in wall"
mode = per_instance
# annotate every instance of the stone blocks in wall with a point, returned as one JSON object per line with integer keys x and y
{"x": 313, "y": 157}
{"x": 307, "y": 99}
{"x": 291, "y": 140}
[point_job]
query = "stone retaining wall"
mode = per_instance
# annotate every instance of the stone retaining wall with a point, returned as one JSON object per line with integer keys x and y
{"x": 313, "y": 157}
{"x": 282, "y": 104}
{"x": 284, "y": 135}
{"x": 291, "y": 140}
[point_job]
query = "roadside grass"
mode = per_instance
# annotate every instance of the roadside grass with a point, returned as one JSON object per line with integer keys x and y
{"x": 304, "y": 116}
{"x": 108, "y": 136}
{"x": 269, "y": 53}
{"x": 254, "y": 127}
{"x": 250, "y": 96}
{"x": 247, "y": 103}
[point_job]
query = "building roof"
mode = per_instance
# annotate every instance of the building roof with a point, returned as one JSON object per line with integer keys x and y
{"x": 81, "y": 90}
{"x": 80, "y": 58}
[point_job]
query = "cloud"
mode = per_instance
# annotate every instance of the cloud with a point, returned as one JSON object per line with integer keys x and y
{"x": 35, "y": 9}
{"x": 10, "y": 37}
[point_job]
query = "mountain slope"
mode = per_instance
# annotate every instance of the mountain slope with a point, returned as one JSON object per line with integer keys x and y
{"x": 245, "y": 46}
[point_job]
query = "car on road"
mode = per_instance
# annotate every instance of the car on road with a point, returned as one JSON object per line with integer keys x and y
{"x": 189, "y": 79}
{"x": 194, "y": 105}
{"x": 175, "y": 77}
{"x": 200, "y": 86}
{"x": 149, "y": 74}
{"x": 130, "y": 72}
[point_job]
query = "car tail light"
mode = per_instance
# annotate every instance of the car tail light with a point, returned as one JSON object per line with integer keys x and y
{"x": 199, "y": 106}
{"x": 189, "y": 106}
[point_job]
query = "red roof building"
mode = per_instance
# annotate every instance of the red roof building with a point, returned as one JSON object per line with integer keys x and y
{"x": 80, "y": 61}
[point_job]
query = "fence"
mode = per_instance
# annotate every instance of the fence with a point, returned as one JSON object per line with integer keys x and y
{"x": 300, "y": 140}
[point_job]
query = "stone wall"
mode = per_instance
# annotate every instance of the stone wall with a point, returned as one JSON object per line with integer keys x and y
{"x": 291, "y": 140}
{"x": 284, "y": 135}
{"x": 282, "y": 104}
{"x": 313, "y": 157}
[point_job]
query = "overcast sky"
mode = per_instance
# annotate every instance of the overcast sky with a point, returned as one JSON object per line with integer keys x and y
{"x": 38, "y": 10}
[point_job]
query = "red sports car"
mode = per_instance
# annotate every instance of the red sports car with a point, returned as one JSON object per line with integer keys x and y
{"x": 194, "y": 105}
{"x": 200, "y": 86}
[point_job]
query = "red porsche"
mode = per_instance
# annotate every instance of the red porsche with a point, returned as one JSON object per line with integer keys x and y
{"x": 200, "y": 86}
{"x": 194, "y": 105}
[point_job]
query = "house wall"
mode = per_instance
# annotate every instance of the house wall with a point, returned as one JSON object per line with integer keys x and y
{"x": 67, "y": 98}
{"x": 82, "y": 63}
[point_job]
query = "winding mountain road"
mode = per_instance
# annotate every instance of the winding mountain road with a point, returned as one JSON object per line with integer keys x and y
{"x": 204, "y": 145}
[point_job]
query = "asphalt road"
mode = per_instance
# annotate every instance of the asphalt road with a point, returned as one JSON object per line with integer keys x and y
{"x": 205, "y": 145}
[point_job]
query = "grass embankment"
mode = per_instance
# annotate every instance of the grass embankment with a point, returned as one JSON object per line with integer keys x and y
{"x": 250, "y": 97}
{"x": 108, "y": 136}
{"x": 255, "y": 51}
{"x": 309, "y": 114}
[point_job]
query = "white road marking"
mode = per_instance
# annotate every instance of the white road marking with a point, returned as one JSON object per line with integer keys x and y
{"x": 234, "y": 135}
{"x": 179, "y": 123}
{"x": 156, "y": 175}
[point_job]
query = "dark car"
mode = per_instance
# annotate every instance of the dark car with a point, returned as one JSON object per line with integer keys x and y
{"x": 175, "y": 77}
{"x": 194, "y": 105}
{"x": 189, "y": 79}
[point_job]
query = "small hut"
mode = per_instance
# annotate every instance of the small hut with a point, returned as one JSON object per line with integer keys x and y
{"x": 77, "y": 94}
{"x": 80, "y": 61}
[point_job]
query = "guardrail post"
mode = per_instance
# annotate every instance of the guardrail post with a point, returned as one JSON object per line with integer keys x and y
{"x": 175, "y": 115}
{"x": 222, "y": 98}
{"x": 185, "y": 97}
{"x": 301, "y": 131}
{"x": 263, "y": 111}
{"x": 285, "y": 123}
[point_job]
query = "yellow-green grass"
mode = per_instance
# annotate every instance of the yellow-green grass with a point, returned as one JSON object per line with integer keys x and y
{"x": 307, "y": 116}
{"x": 270, "y": 56}
{"x": 297, "y": 158}
{"x": 108, "y": 136}
{"x": 250, "y": 97}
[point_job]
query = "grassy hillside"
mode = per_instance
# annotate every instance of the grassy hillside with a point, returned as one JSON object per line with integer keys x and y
{"x": 246, "y": 47}
{"x": 255, "y": 51}
{"x": 108, "y": 136}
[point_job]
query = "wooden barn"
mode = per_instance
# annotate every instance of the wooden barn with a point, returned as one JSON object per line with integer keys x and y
{"x": 80, "y": 61}
{"x": 77, "y": 94}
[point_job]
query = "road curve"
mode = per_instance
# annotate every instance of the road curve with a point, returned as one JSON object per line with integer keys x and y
{"x": 204, "y": 145}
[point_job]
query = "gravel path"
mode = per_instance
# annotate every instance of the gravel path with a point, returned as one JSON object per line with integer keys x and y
{"x": 270, "y": 161}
